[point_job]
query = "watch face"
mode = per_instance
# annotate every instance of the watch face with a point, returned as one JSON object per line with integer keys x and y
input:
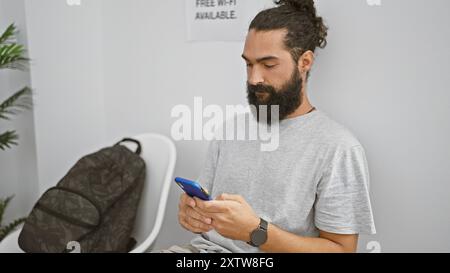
{"x": 259, "y": 237}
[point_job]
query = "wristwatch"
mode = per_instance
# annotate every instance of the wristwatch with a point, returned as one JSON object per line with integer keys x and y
{"x": 259, "y": 236}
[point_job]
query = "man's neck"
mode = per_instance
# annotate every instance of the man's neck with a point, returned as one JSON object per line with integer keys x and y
{"x": 304, "y": 108}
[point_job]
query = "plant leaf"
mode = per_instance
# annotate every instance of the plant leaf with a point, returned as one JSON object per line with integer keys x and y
{"x": 4, "y": 231}
{"x": 8, "y": 34}
{"x": 12, "y": 57}
{"x": 8, "y": 139}
{"x": 3, "y": 204}
{"x": 19, "y": 100}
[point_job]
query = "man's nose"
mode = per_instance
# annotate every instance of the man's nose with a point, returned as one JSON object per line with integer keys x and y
{"x": 255, "y": 77}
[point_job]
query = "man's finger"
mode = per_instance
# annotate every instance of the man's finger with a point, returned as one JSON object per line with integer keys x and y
{"x": 230, "y": 197}
{"x": 211, "y": 206}
{"x": 198, "y": 216}
{"x": 197, "y": 225}
{"x": 190, "y": 225}
{"x": 203, "y": 213}
{"x": 186, "y": 199}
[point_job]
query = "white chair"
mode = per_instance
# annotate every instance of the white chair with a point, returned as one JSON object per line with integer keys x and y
{"x": 159, "y": 154}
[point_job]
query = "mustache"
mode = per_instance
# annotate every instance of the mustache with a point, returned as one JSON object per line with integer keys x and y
{"x": 260, "y": 88}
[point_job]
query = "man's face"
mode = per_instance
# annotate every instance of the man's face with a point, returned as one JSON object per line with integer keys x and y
{"x": 272, "y": 76}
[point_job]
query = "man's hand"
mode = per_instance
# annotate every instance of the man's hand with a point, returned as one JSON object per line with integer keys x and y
{"x": 232, "y": 217}
{"x": 190, "y": 218}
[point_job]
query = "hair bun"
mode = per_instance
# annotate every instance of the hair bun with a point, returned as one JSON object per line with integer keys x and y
{"x": 307, "y": 7}
{"x": 300, "y": 5}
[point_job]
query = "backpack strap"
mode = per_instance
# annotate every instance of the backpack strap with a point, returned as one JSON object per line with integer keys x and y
{"x": 139, "y": 147}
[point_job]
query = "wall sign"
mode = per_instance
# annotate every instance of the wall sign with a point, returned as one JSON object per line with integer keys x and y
{"x": 220, "y": 20}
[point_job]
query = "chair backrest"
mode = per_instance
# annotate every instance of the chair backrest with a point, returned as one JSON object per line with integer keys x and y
{"x": 159, "y": 154}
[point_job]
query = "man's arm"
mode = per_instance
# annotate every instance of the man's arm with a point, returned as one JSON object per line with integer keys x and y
{"x": 279, "y": 240}
{"x": 235, "y": 219}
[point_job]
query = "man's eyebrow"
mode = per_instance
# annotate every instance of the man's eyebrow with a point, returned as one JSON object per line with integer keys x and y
{"x": 262, "y": 59}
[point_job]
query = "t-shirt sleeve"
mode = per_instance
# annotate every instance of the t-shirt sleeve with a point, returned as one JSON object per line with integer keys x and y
{"x": 208, "y": 171}
{"x": 342, "y": 200}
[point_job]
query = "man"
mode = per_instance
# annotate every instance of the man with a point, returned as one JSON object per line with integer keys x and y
{"x": 309, "y": 195}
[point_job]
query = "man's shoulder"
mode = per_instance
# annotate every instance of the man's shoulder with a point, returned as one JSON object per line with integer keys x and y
{"x": 334, "y": 134}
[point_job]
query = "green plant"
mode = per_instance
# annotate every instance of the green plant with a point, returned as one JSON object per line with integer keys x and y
{"x": 12, "y": 56}
{"x": 6, "y": 229}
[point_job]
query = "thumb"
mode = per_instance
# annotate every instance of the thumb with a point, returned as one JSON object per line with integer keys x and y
{"x": 231, "y": 197}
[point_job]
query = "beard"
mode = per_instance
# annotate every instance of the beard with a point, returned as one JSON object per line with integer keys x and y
{"x": 288, "y": 98}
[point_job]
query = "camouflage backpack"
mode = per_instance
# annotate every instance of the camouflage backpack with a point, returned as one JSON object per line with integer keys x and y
{"x": 93, "y": 207}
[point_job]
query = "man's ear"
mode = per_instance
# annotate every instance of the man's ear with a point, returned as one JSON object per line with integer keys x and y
{"x": 306, "y": 62}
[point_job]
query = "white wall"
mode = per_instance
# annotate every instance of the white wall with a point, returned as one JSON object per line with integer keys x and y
{"x": 67, "y": 74}
{"x": 18, "y": 170}
{"x": 385, "y": 76}
{"x": 113, "y": 68}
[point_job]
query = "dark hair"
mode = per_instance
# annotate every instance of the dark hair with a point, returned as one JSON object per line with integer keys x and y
{"x": 306, "y": 30}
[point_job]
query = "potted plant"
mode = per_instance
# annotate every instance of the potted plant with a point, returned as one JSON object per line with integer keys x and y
{"x": 12, "y": 56}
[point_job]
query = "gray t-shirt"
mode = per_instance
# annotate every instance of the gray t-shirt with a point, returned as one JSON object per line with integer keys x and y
{"x": 318, "y": 178}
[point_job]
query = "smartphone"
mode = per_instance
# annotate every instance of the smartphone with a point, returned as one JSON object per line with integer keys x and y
{"x": 193, "y": 188}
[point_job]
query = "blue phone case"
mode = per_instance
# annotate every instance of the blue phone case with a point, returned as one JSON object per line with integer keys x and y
{"x": 193, "y": 188}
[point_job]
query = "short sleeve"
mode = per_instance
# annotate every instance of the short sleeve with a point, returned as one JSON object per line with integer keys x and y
{"x": 342, "y": 203}
{"x": 208, "y": 171}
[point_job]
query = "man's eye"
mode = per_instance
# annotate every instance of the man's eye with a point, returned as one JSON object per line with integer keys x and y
{"x": 270, "y": 65}
{"x": 249, "y": 65}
